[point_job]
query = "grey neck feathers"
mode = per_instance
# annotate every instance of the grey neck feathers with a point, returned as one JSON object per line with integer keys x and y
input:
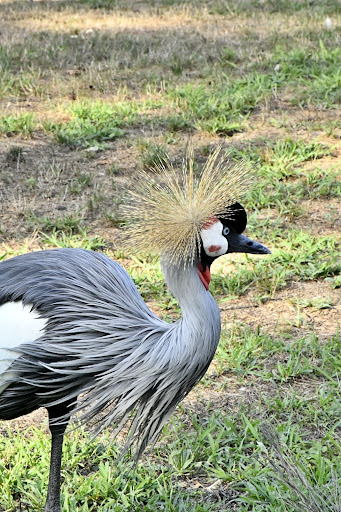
{"x": 200, "y": 312}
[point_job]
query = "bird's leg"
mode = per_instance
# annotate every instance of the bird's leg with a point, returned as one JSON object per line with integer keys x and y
{"x": 57, "y": 433}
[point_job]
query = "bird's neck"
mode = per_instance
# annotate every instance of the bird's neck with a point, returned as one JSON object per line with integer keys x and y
{"x": 200, "y": 312}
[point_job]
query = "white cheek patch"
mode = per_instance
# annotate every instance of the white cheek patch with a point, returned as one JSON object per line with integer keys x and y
{"x": 18, "y": 324}
{"x": 215, "y": 244}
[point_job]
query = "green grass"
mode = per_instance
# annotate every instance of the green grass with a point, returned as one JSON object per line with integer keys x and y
{"x": 228, "y": 443}
{"x": 96, "y": 122}
{"x": 152, "y": 154}
{"x": 25, "y": 84}
{"x": 91, "y": 123}
{"x": 61, "y": 239}
{"x": 282, "y": 183}
{"x": 223, "y": 107}
{"x": 316, "y": 70}
{"x": 250, "y": 353}
{"x": 262, "y": 78}
{"x": 69, "y": 224}
{"x": 23, "y": 124}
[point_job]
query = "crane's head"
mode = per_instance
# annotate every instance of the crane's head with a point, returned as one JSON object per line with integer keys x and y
{"x": 186, "y": 216}
{"x": 222, "y": 235}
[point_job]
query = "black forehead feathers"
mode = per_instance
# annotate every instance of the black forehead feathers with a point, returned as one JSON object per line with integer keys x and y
{"x": 235, "y": 217}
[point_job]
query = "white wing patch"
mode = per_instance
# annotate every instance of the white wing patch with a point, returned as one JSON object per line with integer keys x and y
{"x": 18, "y": 324}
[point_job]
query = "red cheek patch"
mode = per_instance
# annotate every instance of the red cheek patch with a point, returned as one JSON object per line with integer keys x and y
{"x": 214, "y": 248}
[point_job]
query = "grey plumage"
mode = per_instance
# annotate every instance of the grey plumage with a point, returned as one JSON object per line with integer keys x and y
{"x": 89, "y": 345}
{"x": 102, "y": 340}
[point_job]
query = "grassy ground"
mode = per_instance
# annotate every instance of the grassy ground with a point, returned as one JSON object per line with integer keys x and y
{"x": 94, "y": 90}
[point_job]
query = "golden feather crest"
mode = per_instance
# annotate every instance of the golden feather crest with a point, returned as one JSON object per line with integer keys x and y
{"x": 168, "y": 209}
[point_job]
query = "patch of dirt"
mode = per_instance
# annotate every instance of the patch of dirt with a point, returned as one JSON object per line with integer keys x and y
{"x": 298, "y": 309}
{"x": 42, "y": 182}
{"x": 38, "y": 418}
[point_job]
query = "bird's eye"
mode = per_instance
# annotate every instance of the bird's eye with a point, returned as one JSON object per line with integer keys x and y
{"x": 226, "y": 231}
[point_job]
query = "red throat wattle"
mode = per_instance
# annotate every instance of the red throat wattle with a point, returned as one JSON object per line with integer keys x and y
{"x": 205, "y": 275}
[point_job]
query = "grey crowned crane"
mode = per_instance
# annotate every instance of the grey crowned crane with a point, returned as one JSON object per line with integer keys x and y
{"x": 76, "y": 336}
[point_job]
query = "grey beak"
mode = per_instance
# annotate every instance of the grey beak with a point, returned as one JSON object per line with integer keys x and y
{"x": 241, "y": 243}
